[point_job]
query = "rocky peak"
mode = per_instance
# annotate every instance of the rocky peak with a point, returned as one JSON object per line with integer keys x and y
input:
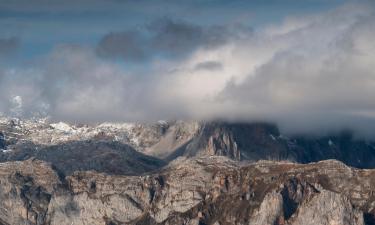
{"x": 234, "y": 140}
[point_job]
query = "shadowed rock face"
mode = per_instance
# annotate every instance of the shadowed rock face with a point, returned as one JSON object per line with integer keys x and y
{"x": 211, "y": 190}
{"x": 239, "y": 141}
{"x": 257, "y": 141}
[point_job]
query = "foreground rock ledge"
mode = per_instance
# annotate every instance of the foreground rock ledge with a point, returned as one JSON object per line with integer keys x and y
{"x": 211, "y": 190}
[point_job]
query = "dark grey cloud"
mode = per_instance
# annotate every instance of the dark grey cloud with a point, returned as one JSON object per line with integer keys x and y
{"x": 128, "y": 45}
{"x": 209, "y": 65}
{"x": 8, "y": 45}
{"x": 166, "y": 37}
{"x": 178, "y": 37}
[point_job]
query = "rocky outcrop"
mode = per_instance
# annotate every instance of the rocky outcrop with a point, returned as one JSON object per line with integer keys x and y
{"x": 25, "y": 192}
{"x": 239, "y": 141}
{"x": 327, "y": 208}
{"x": 174, "y": 141}
{"x": 212, "y": 191}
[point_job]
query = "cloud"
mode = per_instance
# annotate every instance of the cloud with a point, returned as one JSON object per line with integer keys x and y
{"x": 8, "y": 45}
{"x": 320, "y": 76}
{"x": 310, "y": 74}
{"x": 126, "y": 45}
{"x": 209, "y": 65}
{"x": 179, "y": 37}
{"x": 166, "y": 38}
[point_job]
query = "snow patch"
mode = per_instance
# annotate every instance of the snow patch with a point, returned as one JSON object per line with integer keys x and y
{"x": 5, "y": 150}
{"x": 63, "y": 127}
{"x": 117, "y": 126}
{"x": 163, "y": 123}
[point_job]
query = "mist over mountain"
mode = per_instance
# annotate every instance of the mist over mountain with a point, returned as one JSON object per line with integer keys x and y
{"x": 308, "y": 73}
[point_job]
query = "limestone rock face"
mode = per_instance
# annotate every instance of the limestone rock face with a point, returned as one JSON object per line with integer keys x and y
{"x": 328, "y": 208}
{"x": 270, "y": 210}
{"x": 238, "y": 141}
{"x": 211, "y": 191}
{"x": 25, "y": 191}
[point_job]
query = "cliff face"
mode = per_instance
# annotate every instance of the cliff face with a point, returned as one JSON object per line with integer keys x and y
{"x": 239, "y": 141}
{"x": 211, "y": 190}
{"x": 259, "y": 141}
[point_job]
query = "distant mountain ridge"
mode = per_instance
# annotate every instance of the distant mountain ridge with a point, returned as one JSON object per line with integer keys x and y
{"x": 165, "y": 141}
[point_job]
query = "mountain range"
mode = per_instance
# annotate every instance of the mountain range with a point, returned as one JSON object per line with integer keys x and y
{"x": 182, "y": 172}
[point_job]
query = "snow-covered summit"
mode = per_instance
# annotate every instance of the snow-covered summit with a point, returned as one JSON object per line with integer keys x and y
{"x": 140, "y": 136}
{"x": 64, "y": 127}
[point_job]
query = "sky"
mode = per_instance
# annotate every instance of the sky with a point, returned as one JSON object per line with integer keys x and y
{"x": 306, "y": 65}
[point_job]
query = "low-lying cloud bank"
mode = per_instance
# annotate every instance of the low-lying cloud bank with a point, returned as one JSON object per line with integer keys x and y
{"x": 308, "y": 74}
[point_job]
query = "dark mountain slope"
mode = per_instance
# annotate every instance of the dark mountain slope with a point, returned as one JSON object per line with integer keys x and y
{"x": 108, "y": 157}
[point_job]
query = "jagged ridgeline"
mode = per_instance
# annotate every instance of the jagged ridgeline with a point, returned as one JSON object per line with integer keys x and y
{"x": 210, "y": 173}
{"x": 154, "y": 145}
